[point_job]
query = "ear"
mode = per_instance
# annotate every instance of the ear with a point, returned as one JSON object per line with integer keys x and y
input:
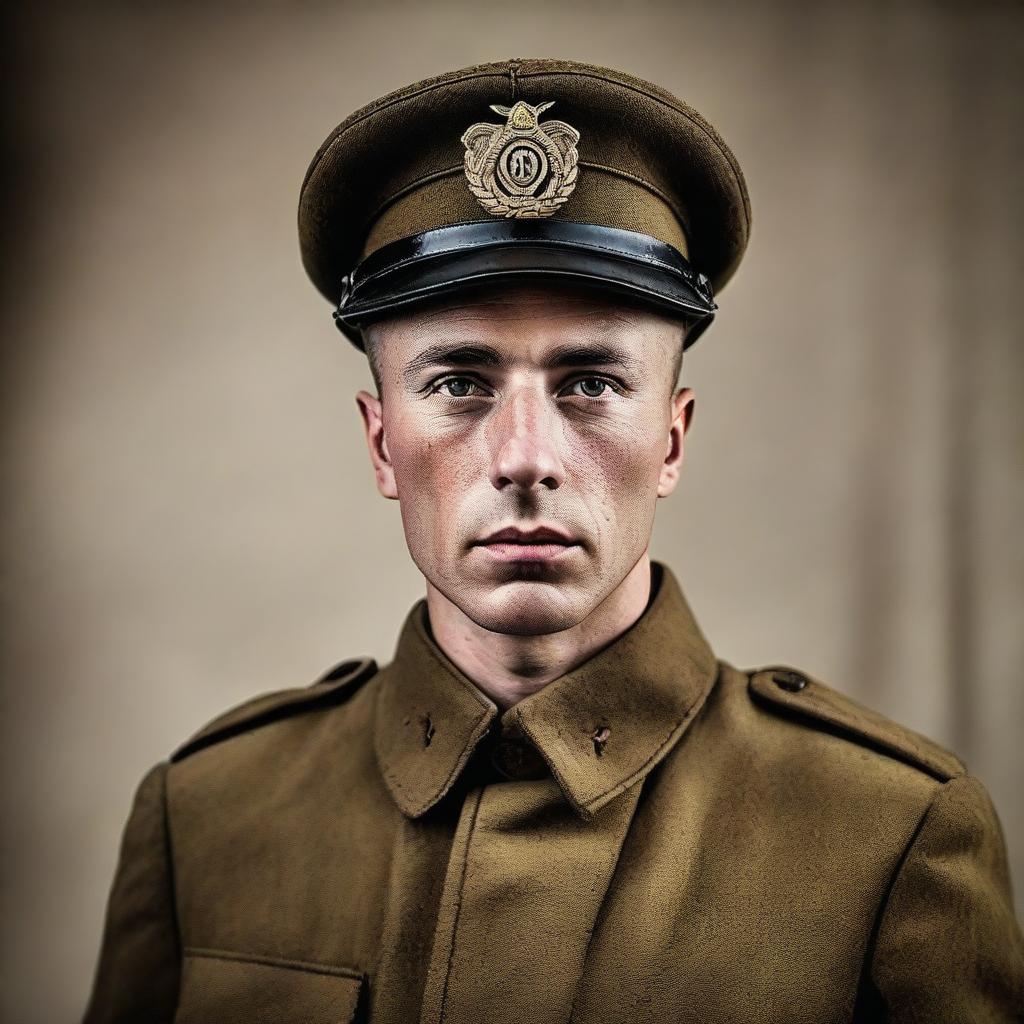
{"x": 373, "y": 423}
{"x": 498, "y": 109}
{"x": 682, "y": 413}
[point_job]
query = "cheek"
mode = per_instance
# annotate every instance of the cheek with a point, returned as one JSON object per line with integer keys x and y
{"x": 621, "y": 466}
{"x": 432, "y": 475}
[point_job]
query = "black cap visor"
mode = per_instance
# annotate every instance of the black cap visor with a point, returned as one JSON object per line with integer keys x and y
{"x": 434, "y": 264}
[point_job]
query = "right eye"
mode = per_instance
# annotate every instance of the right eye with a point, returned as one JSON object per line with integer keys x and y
{"x": 455, "y": 387}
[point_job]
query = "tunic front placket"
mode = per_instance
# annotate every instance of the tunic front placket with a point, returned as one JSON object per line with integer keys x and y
{"x": 525, "y": 881}
{"x": 513, "y": 822}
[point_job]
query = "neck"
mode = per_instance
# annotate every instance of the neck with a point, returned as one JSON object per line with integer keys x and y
{"x": 508, "y": 668}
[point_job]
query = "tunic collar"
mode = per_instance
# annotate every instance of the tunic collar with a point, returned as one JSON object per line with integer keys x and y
{"x": 638, "y": 695}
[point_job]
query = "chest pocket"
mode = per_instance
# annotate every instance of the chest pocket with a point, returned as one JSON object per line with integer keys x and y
{"x": 223, "y": 988}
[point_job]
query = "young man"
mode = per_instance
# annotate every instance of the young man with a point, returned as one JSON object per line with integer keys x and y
{"x": 555, "y": 803}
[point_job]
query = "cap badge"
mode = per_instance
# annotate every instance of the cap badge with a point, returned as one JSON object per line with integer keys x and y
{"x": 522, "y": 168}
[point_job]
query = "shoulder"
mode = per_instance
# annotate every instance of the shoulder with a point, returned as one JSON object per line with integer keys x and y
{"x": 793, "y": 696}
{"x": 332, "y": 688}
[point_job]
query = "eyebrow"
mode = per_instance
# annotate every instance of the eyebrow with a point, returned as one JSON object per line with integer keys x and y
{"x": 595, "y": 354}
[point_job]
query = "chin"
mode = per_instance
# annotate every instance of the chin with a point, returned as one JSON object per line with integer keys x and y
{"x": 526, "y": 607}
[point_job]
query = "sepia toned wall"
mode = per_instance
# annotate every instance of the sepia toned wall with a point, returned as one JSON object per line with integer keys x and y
{"x": 190, "y": 515}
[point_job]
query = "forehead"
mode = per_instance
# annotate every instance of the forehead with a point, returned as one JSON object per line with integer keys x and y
{"x": 526, "y": 319}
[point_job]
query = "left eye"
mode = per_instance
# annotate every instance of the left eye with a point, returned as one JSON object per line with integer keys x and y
{"x": 592, "y": 387}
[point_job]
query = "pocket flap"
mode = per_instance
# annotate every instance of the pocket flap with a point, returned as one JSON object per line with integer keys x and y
{"x": 226, "y": 988}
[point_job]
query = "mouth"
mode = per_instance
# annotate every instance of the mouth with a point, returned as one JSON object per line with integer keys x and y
{"x": 539, "y": 544}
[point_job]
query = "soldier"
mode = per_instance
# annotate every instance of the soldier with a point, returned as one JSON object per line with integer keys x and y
{"x": 555, "y": 803}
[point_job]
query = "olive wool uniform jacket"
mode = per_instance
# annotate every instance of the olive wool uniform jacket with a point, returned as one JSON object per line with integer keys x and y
{"x": 656, "y": 836}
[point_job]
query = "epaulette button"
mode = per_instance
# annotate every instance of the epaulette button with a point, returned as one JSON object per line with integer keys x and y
{"x": 791, "y": 681}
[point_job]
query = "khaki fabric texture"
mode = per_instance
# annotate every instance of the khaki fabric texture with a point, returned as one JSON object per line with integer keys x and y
{"x": 606, "y": 199}
{"x": 657, "y": 835}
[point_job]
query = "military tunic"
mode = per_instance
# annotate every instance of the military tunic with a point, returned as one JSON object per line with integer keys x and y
{"x": 655, "y": 836}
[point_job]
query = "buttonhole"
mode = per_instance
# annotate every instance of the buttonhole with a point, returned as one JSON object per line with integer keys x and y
{"x": 600, "y": 738}
{"x": 428, "y": 729}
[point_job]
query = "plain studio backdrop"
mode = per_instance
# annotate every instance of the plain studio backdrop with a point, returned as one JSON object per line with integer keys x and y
{"x": 191, "y": 517}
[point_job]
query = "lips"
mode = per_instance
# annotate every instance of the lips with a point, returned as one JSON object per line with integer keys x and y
{"x": 537, "y": 535}
{"x": 540, "y": 549}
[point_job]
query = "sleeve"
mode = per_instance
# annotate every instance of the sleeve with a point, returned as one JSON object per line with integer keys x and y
{"x": 139, "y": 966}
{"x": 949, "y": 947}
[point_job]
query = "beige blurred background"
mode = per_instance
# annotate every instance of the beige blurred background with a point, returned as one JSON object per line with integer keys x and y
{"x": 190, "y": 513}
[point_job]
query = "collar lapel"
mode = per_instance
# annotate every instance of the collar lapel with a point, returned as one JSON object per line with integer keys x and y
{"x": 429, "y": 718}
{"x": 601, "y": 727}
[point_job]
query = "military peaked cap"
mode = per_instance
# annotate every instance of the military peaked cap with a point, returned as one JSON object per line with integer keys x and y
{"x": 518, "y": 169}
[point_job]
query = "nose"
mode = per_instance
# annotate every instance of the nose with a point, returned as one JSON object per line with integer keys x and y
{"x": 526, "y": 433}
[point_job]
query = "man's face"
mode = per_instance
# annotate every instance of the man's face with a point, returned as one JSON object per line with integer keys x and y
{"x": 528, "y": 408}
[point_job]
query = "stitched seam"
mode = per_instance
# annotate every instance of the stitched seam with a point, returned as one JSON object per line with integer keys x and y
{"x": 688, "y": 714}
{"x": 554, "y": 771}
{"x": 451, "y": 172}
{"x": 447, "y": 172}
{"x": 459, "y": 764}
{"x": 271, "y": 961}
{"x": 250, "y": 708}
{"x": 813, "y": 708}
{"x": 261, "y": 710}
{"x": 478, "y": 729}
{"x": 897, "y": 748}
{"x": 588, "y": 805}
{"x": 458, "y": 905}
{"x": 377, "y": 752}
{"x": 637, "y": 180}
{"x": 627, "y": 782}
{"x": 602, "y": 909}
{"x": 901, "y": 861}
{"x": 623, "y": 784}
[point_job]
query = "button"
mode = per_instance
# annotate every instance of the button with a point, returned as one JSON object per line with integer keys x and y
{"x": 791, "y": 681}
{"x": 517, "y": 758}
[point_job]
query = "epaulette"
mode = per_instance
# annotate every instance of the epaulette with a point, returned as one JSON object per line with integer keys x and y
{"x": 332, "y": 687}
{"x": 808, "y": 699}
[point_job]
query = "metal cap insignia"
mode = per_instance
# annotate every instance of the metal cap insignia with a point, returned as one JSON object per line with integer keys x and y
{"x": 522, "y": 168}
